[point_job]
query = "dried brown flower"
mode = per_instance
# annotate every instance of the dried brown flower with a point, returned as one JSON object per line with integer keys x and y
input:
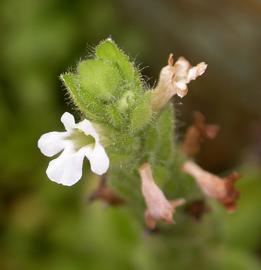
{"x": 174, "y": 79}
{"x": 213, "y": 186}
{"x": 196, "y": 209}
{"x": 158, "y": 207}
{"x": 197, "y": 133}
{"x": 106, "y": 194}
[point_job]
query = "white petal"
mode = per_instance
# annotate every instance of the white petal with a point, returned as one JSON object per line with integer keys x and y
{"x": 181, "y": 85}
{"x": 87, "y": 127}
{"x": 182, "y": 63}
{"x": 201, "y": 68}
{"x": 196, "y": 71}
{"x": 192, "y": 74}
{"x": 52, "y": 143}
{"x": 68, "y": 121}
{"x": 182, "y": 93}
{"x": 67, "y": 168}
{"x": 98, "y": 158}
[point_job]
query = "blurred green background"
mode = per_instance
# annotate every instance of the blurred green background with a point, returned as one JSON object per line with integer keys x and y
{"x": 45, "y": 225}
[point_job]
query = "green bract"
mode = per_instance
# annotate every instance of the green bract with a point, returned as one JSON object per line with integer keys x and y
{"x": 109, "y": 91}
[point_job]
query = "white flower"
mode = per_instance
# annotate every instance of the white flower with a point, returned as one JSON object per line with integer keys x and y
{"x": 176, "y": 76}
{"x": 184, "y": 73}
{"x": 174, "y": 79}
{"x": 78, "y": 141}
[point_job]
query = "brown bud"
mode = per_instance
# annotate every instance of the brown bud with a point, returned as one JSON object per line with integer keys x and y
{"x": 213, "y": 186}
{"x": 158, "y": 207}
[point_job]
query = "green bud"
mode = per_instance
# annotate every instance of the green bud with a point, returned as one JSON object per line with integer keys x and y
{"x": 99, "y": 78}
{"x": 126, "y": 101}
{"x": 108, "y": 50}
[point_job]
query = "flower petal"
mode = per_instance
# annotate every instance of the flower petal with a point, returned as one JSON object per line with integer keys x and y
{"x": 181, "y": 88}
{"x": 196, "y": 71}
{"x": 52, "y": 143}
{"x": 87, "y": 127}
{"x": 182, "y": 64}
{"x": 181, "y": 85}
{"x": 98, "y": 158}
{"x": 68, "y": 121}
{"x": 192, "y": 74}
{"x": 67, "y": 168}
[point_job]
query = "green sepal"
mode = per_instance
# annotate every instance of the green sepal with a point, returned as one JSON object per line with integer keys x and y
{"x": 165, "y": 126}
{"x": 115, "y": 117}
{"x": 151, "y": 142}
{"x": 141, "y": 114}
{"x": 86, "y": 103}
{"x": 71, "y": 82}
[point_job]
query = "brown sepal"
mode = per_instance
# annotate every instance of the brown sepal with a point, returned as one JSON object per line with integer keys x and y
{"x": 230, "y": 200}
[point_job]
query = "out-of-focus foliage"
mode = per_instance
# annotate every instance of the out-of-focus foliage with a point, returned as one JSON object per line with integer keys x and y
{"x": 54, "y": 228}
{"x": 44, "y": 225}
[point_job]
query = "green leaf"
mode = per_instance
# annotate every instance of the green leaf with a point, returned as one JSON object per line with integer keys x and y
{"x": 99, "y": 78}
